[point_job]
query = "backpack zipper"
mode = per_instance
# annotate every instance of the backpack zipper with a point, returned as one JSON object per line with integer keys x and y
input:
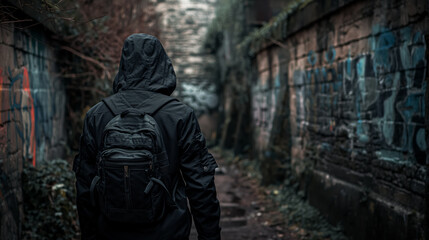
{"x": 126, "y": 164}
{"x": 139, "y": 155}
{"x": 148, "y": 130}
{"x": 126, "y": 171}
{"x": 127, "y": 186}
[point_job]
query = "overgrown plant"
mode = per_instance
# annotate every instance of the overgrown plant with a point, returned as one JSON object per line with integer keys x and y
{"x": 49, "y": 201}
{"x": 272, "y": 32}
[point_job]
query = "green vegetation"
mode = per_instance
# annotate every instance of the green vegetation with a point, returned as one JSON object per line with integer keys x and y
{"x": 274, "y": 31}
{"x": 292, "y": 203}
{"x": 49, "y": 201}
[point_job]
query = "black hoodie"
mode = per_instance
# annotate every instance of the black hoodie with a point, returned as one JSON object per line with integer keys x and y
{"x": 146, "y": 74}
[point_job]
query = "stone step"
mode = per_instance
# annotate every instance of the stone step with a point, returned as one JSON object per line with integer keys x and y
{"x": 228, "y": 232}
{"x": 233, "y": 222}
{"x": 237, "y": 233}
{"x": 241, "y": 233}
{"x": 232, "y": 210}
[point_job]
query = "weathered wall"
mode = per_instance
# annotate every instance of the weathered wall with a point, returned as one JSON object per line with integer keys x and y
{"x": 183, "y": 26}
{"x": 32, "y": 105}
{"x": 355, "y": 82}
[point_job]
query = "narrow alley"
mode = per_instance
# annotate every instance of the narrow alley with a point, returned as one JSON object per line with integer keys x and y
{"x": 316, "y": 112}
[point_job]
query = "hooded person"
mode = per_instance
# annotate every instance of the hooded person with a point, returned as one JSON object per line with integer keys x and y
{"x": 146, "y": 75}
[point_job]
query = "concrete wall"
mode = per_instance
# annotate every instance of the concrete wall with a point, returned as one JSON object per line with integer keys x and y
{"x": 32, "y": 107}
{"x": 350, "y": 85}
{"x": 183, "y": 26}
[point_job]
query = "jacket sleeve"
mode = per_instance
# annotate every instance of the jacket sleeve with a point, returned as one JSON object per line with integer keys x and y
{"x": 84, "y": 167}
{"x": 198, "y": 168}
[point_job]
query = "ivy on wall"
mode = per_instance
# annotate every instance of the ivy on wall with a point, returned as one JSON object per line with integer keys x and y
{"x": 231, "y": 16}
{"x": 272, "y": 32}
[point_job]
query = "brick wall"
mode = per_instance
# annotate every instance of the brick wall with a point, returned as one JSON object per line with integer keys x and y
{"x": 344, "y": 96}
{"x": 32, "y": 107}
{"x": 183, "y": 25}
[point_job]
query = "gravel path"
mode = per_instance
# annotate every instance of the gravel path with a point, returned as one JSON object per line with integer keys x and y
{"x": 245, "y": 212}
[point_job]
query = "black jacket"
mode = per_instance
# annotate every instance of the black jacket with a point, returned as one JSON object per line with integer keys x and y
{"x": 145, "y": 72}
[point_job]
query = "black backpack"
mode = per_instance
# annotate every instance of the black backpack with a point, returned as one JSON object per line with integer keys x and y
{"x": 132, "y": 166}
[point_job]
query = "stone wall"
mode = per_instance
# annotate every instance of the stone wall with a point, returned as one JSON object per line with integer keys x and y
{"x": 356, "y": 82}
{"x": 183, "y": 25}
{"x": 32, "y": 110}
{"x": 342, "y": 98}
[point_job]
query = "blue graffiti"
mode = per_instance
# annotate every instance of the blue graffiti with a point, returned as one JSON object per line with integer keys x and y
{"x": 385, "y": 89}
{"x": 330, "y": 55}
{"x": 312, "y": 58}
{"x": 411, "y": 107}
{"x": 382, "y": 50}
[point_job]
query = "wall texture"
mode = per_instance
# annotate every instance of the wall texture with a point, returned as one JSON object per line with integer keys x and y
{"x": 32, "y": 106}
{"x": 183, "y": 26}
{"x": 356, "y": 82}
{"x": 342, "y": 98}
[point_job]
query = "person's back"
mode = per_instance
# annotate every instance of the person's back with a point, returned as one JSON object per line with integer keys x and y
{"x": 145, "y": 76}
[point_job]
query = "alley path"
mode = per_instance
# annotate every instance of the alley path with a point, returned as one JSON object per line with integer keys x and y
{"x": 245, "y": 212}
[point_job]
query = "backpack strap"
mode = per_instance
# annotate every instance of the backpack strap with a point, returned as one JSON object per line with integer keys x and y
{"x": 116, "y": 107}
{"x": 92, "y": 189}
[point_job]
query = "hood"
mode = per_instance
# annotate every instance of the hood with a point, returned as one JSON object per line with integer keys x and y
{"x": 145, "y": 65}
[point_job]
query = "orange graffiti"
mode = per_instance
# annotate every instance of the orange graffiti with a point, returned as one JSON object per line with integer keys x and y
{"x": 26, "y": 88}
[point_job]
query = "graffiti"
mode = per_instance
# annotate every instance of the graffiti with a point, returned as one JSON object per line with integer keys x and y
{"x": 21, "y": 114}
{"x": 264, "y": 103}
{"x": 22, "y": 107}
{"x": 32, "y": 111}
{"x": 379, "y": 96}
{"x": 32, "y": 114}
{"x": 32, "y": 100}
{"x": 201, "y": 99}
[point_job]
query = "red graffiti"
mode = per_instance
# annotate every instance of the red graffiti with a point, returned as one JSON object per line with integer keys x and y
{"x": 26, "y": 88}
{"x": 31, "y": 124}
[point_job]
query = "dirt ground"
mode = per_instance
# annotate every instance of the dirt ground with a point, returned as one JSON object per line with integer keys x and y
{"x": 246, "y": 213}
